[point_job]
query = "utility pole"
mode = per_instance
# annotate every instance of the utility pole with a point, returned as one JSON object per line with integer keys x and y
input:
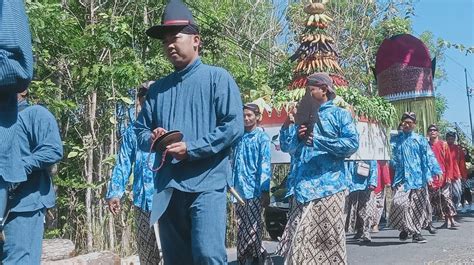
{"x": 469, "y": 94}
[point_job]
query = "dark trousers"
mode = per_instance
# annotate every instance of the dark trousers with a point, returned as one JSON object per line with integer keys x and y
{"x": 466, "y": 196}
{"x": 192, "y": 229}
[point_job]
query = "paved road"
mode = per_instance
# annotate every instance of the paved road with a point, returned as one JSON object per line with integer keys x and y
{"x": 446, "y": 247}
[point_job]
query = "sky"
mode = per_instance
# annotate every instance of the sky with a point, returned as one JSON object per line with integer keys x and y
{"x": 453, "y": 21}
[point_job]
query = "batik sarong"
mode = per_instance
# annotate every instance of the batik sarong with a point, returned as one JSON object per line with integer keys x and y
{"x": 443, "y": 201}
{"x": 379, "y": 207}
{"x": 314, "y": 233}
{"x": 250, "y": 231}
{"x": 360, "y": 212}
{"x": 409, "y": 210}
{"x": 456, "y": 192}
{"x": 148, "y": 251}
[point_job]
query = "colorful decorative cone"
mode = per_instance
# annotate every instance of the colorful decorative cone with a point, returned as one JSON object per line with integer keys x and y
{"x": 404, "y": 75}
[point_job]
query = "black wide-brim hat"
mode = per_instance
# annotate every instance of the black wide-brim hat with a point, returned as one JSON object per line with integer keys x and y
{"x": 176, "y": 17}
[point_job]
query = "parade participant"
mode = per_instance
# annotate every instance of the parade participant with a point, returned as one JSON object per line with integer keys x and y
{"x": 361, "y": 200}
{"x": 203, "y": 103}
{"x": 252, "y": 173}
{"x": 466, "y": 197}
{"x": 413, "y": 172}
{"x": 16, "y": 71}
{"x": 130, "y": 157}
{"x": 316, "y": 223}
{"x": 384, "y": 181}
{"x": 440, "y": 194}
{"x": 458, "y": 167}
{"x": 41, "y": 148}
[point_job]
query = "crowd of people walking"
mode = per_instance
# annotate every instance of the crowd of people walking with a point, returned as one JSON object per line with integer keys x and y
{"x": 211, "y": 142}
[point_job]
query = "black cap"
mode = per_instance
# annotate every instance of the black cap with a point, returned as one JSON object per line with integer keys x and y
{"x": 451, "y": 134}
{"x": 176, "y": 17}
{"x": 409, "y": 115}
{"x": 253, "y": 107}
{"x": 433, "y": 127}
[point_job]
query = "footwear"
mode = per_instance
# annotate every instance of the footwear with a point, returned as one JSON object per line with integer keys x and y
{"x": 418, "y": 238}
{"x": 431, "y": 229}
{"x": 375, "y": 229}
{"x": 365, "y": 239}
{"x": 403, "y": 236}
{"x": 445, "y": 226}
{"x": 357, "y": 235}
{"x": 455, "y": 225}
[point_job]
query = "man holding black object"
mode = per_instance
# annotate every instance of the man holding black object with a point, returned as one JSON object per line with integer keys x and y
{"x": 316, "y": 223}
{"x": 203, "y": 103}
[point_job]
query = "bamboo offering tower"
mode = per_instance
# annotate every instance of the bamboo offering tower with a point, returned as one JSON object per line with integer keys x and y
{"x": 316, "y": 53}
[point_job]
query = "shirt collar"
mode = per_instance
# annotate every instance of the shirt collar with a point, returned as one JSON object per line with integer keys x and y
{"x": 188, "y": 70}
{"x": 326, "y": 105}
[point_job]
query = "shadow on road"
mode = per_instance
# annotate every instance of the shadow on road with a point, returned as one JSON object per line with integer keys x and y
{"x": 378, "y": 244}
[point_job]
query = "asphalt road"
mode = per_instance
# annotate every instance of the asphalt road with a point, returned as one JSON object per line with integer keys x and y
{"x": 446, "y": 247}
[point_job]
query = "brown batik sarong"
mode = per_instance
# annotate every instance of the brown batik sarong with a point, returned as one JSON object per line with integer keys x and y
{"x": 379, "y": 207}
{"x": 314, "y": 233}
{"x": 361, "y": 208}
{"x": 148, "y": 251}
{"x": 442, "y": 202}
{"x": 250, "y": 231}
{"x": 409, "y": 210}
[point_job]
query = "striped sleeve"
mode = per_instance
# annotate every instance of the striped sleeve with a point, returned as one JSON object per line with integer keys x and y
{"x": 16, "y": 56}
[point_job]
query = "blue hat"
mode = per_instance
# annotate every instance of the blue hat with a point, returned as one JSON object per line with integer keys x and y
{"x": 176, "y": 17}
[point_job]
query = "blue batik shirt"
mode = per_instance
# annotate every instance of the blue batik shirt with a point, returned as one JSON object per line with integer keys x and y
{"x": 251, "y": 169}
{"x": 290, "y": 144}
{"x": 411, "y": 161}
{"x": 359, "y": 182}
{"x": 321, "y": 172}
{"x": 130, "y": 157}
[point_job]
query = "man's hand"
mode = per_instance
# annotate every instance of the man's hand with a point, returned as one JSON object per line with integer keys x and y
{"x": 265, "y": 199}
{"x": 303, "y": 135}
{"x": 178, "y": 151}
{"x": 157, "y": 133}
{"x": 302, "y": 132}
{"x": 114, "y": 206}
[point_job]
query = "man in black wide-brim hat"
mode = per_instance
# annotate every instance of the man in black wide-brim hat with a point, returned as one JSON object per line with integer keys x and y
{"x": 203, "y": 103}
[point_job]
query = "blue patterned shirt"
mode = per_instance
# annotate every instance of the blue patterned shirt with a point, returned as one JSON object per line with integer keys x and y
{"x": 412, "y": 161}
{"x": 291, "y": 145}
{"x": 131, "y": 157}
{"x": 360, "y": 182}
{"x": 251, "y": 169}
{"x": 321, "y": 171}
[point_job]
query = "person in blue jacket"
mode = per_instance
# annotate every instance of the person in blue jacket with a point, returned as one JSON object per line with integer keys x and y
{"x": 414, "y": 171}
{"x": 131, "y": 159}
{"x": 16, "y": 71}
{"x": 316, "y": 223}
{"x": 361, "y": 200}
{"x": 41, "y": 148}
{"x": 203, "y": 103}
{"x": 252, "y": 174}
